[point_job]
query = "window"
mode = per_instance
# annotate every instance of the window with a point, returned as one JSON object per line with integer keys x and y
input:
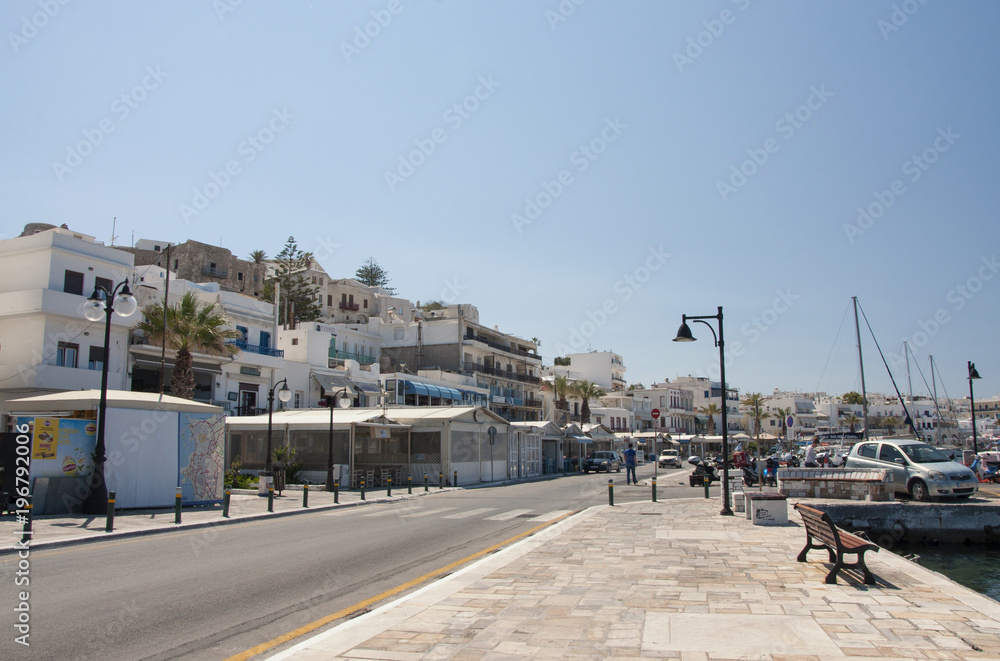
{"x": 66, "y": 354}
{"x": 265, "y": 339}
{"x": 244, "y": 331}
{"x": 73, "y": 283}
{"x": 298, "y": 399}
{"x": 105, "y": 284}
{"x": 175, "y": 264}
{"x": 239, "y": 276}
{"x": 295, "y": 341}
{"x": 329, "y": 300}
{"x": 890, "y": 453}
{"x": 96, "y": 361}
{"x": 366, "y": 304}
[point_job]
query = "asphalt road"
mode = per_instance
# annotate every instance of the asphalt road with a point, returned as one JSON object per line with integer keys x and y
{"x": 214, "y": 593}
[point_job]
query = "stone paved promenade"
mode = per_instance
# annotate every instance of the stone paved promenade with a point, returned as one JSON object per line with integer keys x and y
{"x": 670, "y": 580}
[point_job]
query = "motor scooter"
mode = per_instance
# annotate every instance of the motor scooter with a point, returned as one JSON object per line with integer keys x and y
{"x": 701, "y": 469}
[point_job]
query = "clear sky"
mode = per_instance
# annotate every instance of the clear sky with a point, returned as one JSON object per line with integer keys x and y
{"x": 583, "y": 172}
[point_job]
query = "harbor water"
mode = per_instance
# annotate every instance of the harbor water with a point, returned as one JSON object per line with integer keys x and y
{"x": 977, "y": 569}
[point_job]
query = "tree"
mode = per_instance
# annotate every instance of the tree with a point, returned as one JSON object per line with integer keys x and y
{"x": 782, "y": 414}
{"x": 890, "y": 422}
{"x": 258, "y": 256}
{"x": 636, "y": 386}
{"x": 298, "y": 297}
{"x": 711, "y": 411}
{"x": 191, "y": 326}
{"x": 852, "y": 420}
{"x": 755, "y": 410}
{"x": 373, "y": 275}
{"x": 432, "y": 306}
{"x": 586, "y": 390}
{"x": 561, "y": 362}
{"x": 852, "y": 398}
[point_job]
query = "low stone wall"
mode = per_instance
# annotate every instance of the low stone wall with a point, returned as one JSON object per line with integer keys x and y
{"x": 873, "y": 484}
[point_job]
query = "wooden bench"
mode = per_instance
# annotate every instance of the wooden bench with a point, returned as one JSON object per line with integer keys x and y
{"x": 822, "y": 533}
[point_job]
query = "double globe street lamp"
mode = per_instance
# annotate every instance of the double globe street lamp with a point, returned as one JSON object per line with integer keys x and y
{"x": 101, "y": 304}
{"x": 684, "y": 335}
{"x": 973, "y": 374}
{"x": 333, "y": 401}
{"x": 284, "y": 395}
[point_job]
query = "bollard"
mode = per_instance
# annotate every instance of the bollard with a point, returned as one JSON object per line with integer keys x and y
{"x": 611, "y": 492}
{"x": 409, "y": 484}
{"x": 708, "y": 483}
{"x": 362, "y": 489}
{"x": 654, "y": 489}
{"x": 455, "y": 479}
{"x": 225, "y": 504}
{"x": 336, "y": 492}
{"x": 110, "y": 525}
{"x": 305, "y": 495}
{"x": 270, "y": 499}
{"x": 26, "y": 524}
{"x": 425, "y": 482}
{"x": 388, "y": 487}
{"x": 441, "y": 480}
{"x": 177, "y": 506}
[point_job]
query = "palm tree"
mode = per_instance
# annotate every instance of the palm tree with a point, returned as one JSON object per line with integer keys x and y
{"x": 258, "y": 256}
{"x": 890, "y": 423}
{"x": 755, "y": 404}
{"x": 852, "y": 420}
{"x": 783, "y": 414}
{"x": 192, "y": 326}
{"x": 711, "y": 411}
{"x": 586, "y": 390}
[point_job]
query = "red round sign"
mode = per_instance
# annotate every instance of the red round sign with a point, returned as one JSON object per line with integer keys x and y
{"x": 655, "y": 413}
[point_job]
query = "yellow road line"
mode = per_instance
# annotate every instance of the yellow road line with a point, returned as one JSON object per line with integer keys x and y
{"x": 345, "y": 612}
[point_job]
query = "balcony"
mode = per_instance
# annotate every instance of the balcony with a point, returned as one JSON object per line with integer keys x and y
{"x": 352, "y": 307}
{"x": 347, "y": 355}
{"x": 214, "y": 271}
{"x": 256, "y": 348}
{"x": 502, "y": 347}
{"x": 503, "y": 374}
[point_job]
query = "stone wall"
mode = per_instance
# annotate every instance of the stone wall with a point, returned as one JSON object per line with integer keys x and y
{"x": 874, "y": 484}
{"x": 194, "y": 262}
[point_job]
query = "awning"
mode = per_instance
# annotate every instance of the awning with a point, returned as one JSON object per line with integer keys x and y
{"x": 332, "y": 382}
{"x": 367, "y": 387}
{"x": 431, "y": 390}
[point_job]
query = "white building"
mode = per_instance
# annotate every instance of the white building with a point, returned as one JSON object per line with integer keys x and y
{"x": 708, "y": 392}
{"x": 46, "y": 343}
{"x": 605, "y": 368}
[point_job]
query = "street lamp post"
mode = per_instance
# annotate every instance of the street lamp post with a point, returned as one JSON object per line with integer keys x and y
{"x": 101, "y": 304}
{"x": 973, "y": 374}
{"x": 331, "y": 402}
{"x": 684, "y": 335}
{"x": 284, "y": 395}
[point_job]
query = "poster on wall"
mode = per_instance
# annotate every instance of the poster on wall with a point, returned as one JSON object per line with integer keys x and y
{"x": 61, "y": 447}
{"x": 201, "y": 457}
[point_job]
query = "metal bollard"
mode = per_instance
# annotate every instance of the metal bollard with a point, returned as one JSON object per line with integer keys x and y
{"x": 270, "y": 499}
{"x": 362, "y": 489}
{"x": 26, "y": 525}
{"x": 177, "y": 506}
{"x": 441, "y": 480}
{"x": 388, "y": 487}
{"x": 225, "y": 504}
{"x": 611, "y": 492}
{"x": 654, "y": 489}
{"x": 425, "y": 483}
{"x": 708, "y": 483}
{"x": 110, "y": 525}
{"x": 455, "y": 479}
{"x": 305, "y": 495}
{"x": 336, "y": 492}
{"x": 409, "y": 484}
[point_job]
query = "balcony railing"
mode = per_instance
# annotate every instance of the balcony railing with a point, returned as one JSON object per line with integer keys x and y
{"x": 347, "y": 355}
{"x": 353, "y": 307}
{"x": 214, "y": 271}
{"x": 256, "y": 348}
{"x": 502, "y": 347}
{"x": 503, "y": 374}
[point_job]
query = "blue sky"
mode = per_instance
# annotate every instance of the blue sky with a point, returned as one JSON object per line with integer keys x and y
{"x": 584, "y": 174}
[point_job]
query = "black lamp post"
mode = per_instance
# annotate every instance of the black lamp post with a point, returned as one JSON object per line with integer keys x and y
{"x": 101, "y": 304}
{"x": 973, "y": 374}
{"x": 283, "y": 395}
{"x": 331, "y": 402}
{"x": 684, "y": 335}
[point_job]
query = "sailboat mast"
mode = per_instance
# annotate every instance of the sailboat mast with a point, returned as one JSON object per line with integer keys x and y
{"x": 861, "y": 362}
{"x": 909, "y": 383}
{"x": 937, "y": 427}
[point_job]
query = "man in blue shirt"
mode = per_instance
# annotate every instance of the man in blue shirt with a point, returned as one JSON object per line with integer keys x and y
{"x": 630, "y": 466}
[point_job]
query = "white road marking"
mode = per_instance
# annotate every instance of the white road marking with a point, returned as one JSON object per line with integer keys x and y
{"x": 508, "y": 515}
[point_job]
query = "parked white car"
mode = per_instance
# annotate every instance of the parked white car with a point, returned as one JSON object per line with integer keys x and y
{"x": 669, "y": 458}
{"x": 918, "y": 469}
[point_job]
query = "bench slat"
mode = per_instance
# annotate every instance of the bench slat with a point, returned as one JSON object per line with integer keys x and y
{"x": 821, "y": 528}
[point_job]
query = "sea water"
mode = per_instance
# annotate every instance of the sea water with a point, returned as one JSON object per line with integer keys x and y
{"x": 977, "y": 569}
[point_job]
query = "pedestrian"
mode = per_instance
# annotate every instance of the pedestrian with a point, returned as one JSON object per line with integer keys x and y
{"x": 630, "y": 465}
{"x": 811, "y": 454}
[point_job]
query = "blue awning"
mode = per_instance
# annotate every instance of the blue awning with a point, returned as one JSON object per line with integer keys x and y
{"x": 431, "y": 390}
{"x": 414, "y": 388}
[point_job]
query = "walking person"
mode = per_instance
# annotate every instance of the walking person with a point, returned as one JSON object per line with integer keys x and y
{"x": 810, "y": 461}
{"x": 630, "y": 465}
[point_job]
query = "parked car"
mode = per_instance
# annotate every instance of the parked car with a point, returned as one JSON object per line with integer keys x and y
{"x": 918, "y": 469}
{"x": 669, "y": 458}
{"x": 602, "y": 460}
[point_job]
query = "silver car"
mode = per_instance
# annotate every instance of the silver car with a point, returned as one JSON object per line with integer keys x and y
{"x": 918, "y": 469}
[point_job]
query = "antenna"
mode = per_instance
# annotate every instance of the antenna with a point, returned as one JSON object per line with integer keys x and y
{"x": 114, "y": 237}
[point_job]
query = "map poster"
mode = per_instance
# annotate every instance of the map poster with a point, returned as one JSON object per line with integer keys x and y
{"x": 201, "y": 457}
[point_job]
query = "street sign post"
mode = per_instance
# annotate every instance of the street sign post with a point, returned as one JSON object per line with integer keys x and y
{"x": 492, "y": 432}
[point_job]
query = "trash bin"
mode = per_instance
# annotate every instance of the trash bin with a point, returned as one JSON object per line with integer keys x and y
{"x": 767, "y": 509}
{"x": 264, "y": 480}
{"x": 279, "y": 478}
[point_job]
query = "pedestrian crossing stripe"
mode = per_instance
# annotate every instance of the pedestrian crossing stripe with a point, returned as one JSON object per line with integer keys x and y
{"x": 508, "y": 515}
{"x": 469, "y": 513}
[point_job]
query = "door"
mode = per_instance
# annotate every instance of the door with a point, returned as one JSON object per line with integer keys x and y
{"x": 890, "y": 456}
{"x": 248, "y": 402}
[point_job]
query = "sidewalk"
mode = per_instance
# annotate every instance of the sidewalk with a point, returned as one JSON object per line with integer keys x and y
{"x": 671, "y": 580}
{"x": 60, "y": 529}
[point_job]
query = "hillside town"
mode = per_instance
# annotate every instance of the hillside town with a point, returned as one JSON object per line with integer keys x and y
{"x": 331, "y": 338}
